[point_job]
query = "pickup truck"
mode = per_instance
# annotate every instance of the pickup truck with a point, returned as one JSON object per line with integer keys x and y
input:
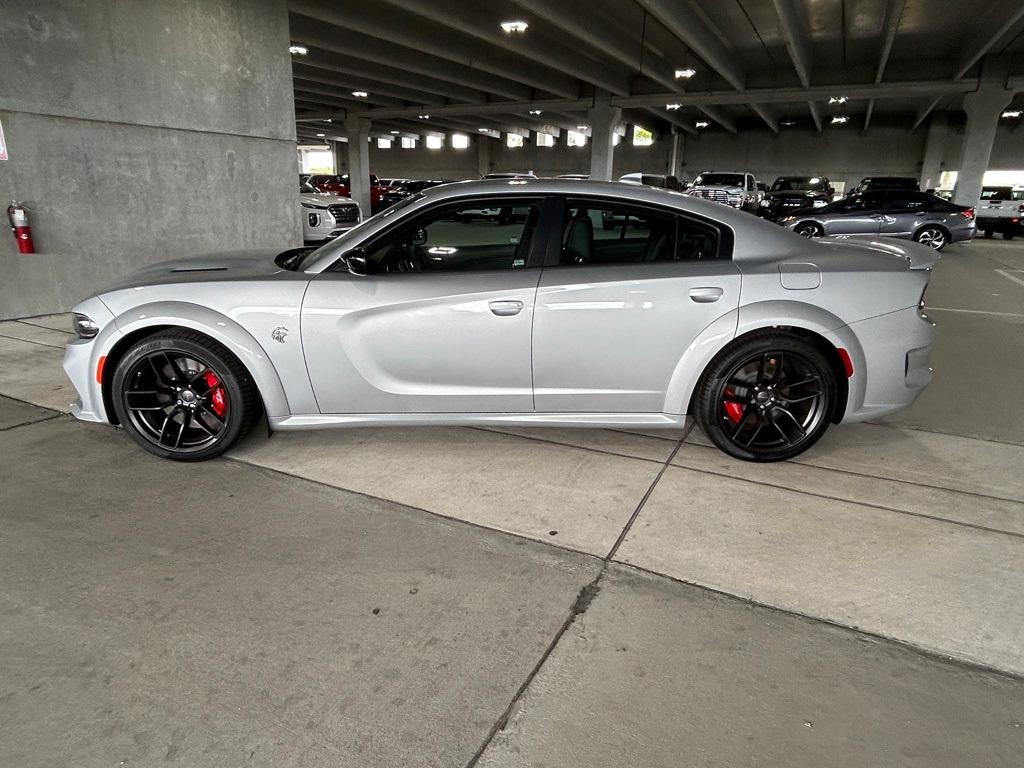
{"x": 1001, "y": 209}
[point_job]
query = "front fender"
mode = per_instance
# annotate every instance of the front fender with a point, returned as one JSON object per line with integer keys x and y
{"x": 215, "y": 325}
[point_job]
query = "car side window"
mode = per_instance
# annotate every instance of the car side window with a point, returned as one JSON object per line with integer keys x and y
{"x": 905, "y": 203}
{"x": 484, "y": 234}
{"x": 596, "y": 233}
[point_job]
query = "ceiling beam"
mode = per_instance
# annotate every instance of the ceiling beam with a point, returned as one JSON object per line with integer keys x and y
{"x": 770, "y": 120}
{"x": 489, "y": 108}
{"x": 815, "y": 111}
{"x": 924, "y": 111}
{"x": 682, "y": 20}
{"x": 334, "y": 93}
{"x": 478, "y": 20}
{"x": 719, "y": 117}
{"x": 794, "y": 29}
{"x": 675, "y": 120}
{"x": 890, "y": 26}
{"x": 363, "y": 49}
{"x": 382, "y": 22}
{"x": 321, "y": 64}
{"x": 1000, "y": 19}
{"x": 345, "y": 86}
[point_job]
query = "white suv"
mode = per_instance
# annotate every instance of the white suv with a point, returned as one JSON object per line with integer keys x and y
{"x": 326, "y": 215}
{"x": 737, "y": 189}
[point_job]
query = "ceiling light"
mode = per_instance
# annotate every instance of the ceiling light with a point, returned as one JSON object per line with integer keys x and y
{"x": 839, "y": 119}
{"x": 424, "y": 117}
{"x": 298, "y": 50}
{"x": 702, "y": 123}
{"x": 394, "y": 133}
{"x": 836, "y": 99}
{"x": 1012, "y": 113}
{"x": 514, "y": 26}
{"x": 360, "y": 94}
{"x": 536, "y": 111}
{"x": 685, "y": 73}
{"x": 581, "y": 127}
{"x": 787, "y": 123}
{"x": 482, "y": 130}
{"x": 673, "y": 106}
{"x": 320, "y": 135}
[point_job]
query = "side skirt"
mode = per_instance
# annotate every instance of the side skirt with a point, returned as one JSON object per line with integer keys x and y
{"x": 326, "y": 420}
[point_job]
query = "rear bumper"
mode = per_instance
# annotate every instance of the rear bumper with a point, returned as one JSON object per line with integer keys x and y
{"x": 896, "y": 363}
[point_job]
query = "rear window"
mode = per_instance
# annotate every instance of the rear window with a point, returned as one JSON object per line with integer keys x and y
{"x": 720, "y": 180}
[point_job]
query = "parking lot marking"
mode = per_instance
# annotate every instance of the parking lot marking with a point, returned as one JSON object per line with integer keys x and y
{"x": 1006, "y": 273}
{"x": 974, "y": 311}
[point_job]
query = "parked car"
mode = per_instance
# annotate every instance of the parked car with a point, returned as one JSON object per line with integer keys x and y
{"x": 325, "y": 215}
{"x": 764, "y": 338}
{"x": 790, "y": 193}
{"x": 917, "y": 216}
{"x": 304, "y": 178}
{"x": 339, "y": 184}
{"x": 1001, "y": 209}
{"x": 392, "y": 182}
{"x": 402, "y": 190}
{"x": 736, "y": 189}
{"x": 879, "y": 183}
{"x": 653, "y": 180}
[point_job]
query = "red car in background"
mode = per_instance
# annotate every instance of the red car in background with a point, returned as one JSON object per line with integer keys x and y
{"x": 339, "y": 185}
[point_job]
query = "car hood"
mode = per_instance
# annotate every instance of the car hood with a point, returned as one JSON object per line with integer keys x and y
{"x": 915, "y": 255}
{"x": 724, "y": 187}
{"x": 796, "y": 193}
{"x": 324, "y": 199}
{"x": 253, "y": 264}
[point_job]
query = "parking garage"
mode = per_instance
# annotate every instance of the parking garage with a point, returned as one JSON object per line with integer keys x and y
{"x": 536, "y": 582}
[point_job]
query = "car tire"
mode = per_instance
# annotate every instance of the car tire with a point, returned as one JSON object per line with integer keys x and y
{"x": 1008, "y": 235}
{"x": 766, "y": 381}
{"x": 183, "y": 396}
{"x": 987, "y": 234}
{"x": 933, "y": 237}
{"x": 808, "y": 229}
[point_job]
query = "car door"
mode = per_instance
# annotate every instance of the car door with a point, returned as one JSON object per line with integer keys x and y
{"x": 902, "y": 213}
{"x": 440, "y": 322}
{"x": 857, "y": 216}
{"x": 617, "y": 307}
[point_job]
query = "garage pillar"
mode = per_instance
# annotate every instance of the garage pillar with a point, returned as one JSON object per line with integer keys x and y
{"x": 673, "y": 157}
{"x": 483, "y": 155}
{"x": 603, "y": 119}
{"x": 983, "y": 108}
{"x": 358, "y": 131}
{"x": 935, "y": 144}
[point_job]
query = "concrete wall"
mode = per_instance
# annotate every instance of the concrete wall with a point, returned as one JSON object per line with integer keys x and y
{"x": 842, "y": 154}
{"x": 140, "y": 131}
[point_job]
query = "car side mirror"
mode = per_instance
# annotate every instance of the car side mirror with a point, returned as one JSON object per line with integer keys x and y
{"x": 420, "y": 237}
{"x": 357, "y": 262}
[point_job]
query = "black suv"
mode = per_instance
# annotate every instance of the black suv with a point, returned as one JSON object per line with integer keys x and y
{"x": 791, "y": 193}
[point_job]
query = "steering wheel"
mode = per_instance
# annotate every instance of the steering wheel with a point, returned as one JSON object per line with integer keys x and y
{"x": 403, "y": 258}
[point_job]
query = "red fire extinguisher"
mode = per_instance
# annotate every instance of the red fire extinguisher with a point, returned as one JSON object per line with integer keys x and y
{"x": 18, "y": 217}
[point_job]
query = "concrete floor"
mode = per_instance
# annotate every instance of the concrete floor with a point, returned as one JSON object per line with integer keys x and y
{"x": 445, "y": 597}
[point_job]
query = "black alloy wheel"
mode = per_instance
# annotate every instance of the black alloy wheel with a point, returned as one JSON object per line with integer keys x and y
{"x": 769, "y": 398}
{"x": 183, "y": 396}
{"x": 809, "y": 229}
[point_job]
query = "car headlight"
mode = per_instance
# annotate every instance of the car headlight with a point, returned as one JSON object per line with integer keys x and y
{"x": 84, "y": 326}
{"x": 310, "y": 205}
{"x": 765, "y": 202}
{"x": 818, "y": 203}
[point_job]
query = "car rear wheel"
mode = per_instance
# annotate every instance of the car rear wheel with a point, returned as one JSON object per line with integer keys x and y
{"x": 933, "y": 237}
{"x": 183, "y": 396}
{"x": 1008, "y": 235}
{"x": 809, "y": 229}
{"x": 767, "y": 398}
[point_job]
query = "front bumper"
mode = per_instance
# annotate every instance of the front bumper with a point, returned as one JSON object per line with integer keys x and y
{"x": 896, "y": 366}
{"x": 319, "y": 225}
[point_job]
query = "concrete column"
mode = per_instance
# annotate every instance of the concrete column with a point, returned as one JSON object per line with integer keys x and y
{"x": 483, "y": 155}
{"x": 340, "y": 152}
{"x": 983, "y": 108}
{"x": 603, "y": 119}
{"x": 358, "y": 131}
{"x": 673, "y": 157}
{"x": 935, "y": 144}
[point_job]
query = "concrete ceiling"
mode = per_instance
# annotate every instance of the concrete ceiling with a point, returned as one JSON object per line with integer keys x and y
{"x": 757, "y": 62}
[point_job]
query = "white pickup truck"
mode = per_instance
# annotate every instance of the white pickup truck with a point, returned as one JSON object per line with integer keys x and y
{"x": 1001, "y": 209}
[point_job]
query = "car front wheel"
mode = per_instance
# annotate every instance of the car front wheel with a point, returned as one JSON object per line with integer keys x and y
{"x": 183, "y": 396}
{"x": 809, "y": 229}
{"x": 769, "y": 397}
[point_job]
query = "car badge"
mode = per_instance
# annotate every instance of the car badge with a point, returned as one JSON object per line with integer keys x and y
{"x": 279, "y": 334}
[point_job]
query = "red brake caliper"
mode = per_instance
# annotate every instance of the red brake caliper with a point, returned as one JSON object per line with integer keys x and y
{"x": 218, "y": 397}
{"x": 733, "y": 410}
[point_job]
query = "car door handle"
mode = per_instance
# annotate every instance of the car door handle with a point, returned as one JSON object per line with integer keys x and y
{"x": 506, "y": 308}
{"x": 706, "y": 295}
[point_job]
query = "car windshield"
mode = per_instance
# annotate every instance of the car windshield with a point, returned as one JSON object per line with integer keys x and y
{"x": 996, "y": 193}
{"x": 787, "y": 183}
{"x": 720, "y": 179}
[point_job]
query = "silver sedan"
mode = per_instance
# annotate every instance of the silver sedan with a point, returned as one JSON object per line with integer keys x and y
{"x": 540, "y": 316}
{"x": 918, "y": 216}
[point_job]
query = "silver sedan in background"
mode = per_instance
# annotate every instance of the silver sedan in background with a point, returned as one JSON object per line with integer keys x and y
{"x": 423, "y": 314}
{"x": 918, "y": 216}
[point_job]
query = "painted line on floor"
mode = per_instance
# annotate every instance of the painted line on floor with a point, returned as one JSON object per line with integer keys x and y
{"x": 30, "y": 341}
{"x": 1006, "y": 273}
{"x": 974, "y": 311}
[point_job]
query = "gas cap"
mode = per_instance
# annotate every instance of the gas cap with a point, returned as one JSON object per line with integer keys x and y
{"x": 799, "y": 275}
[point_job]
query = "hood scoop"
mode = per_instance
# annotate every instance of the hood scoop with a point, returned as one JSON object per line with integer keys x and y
{"x": 198, "y": 269}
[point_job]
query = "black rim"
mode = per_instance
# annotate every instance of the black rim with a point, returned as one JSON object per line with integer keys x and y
{"x": 772, "y": 401}
{"x": 808, "y": 230}
{"x": 176, "y": 401}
